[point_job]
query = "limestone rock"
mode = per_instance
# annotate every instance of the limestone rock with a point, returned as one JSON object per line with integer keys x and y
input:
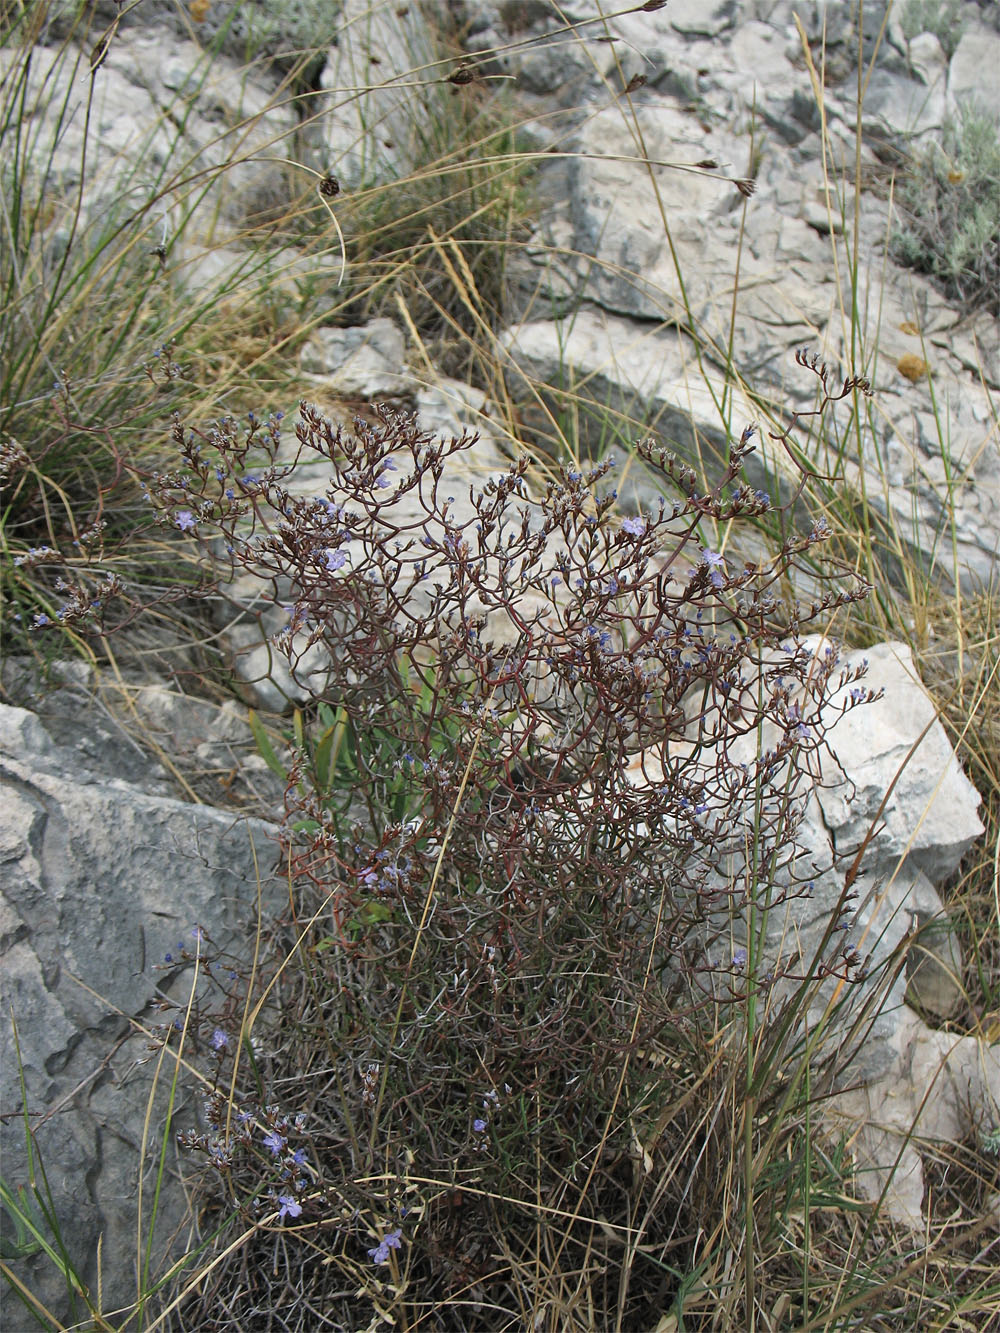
{"x": 896, "y": 746}
{"x": 602, "y": 240}
{"x": 150, "y": 83}
{"x": 927, "y": 59}
{"x": 100, "y": 878}
{"x": 642, "y": 375}
{"x": 364, "y": 361}
{"x": 978, "y": 50}
{"x": 890, "y": 916}
{"x": 368, "y": 126}
{"x": 940, "y": 1090}
{"x": 902, "y": 106}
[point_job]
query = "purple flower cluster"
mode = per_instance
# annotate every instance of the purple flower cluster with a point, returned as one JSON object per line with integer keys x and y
{"x": 392, "y": 1240}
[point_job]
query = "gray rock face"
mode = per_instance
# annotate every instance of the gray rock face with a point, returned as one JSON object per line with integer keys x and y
{"x": 886, "y": 769}
{"x": 101, "y": 876}
{"x": 634, "y": 226}
{"x": 365, "y": 361}
{"x": 368, "y": 128}
{"x": 897, "y": 746}
{"x": 938, "y": 1091}
{"x": 977, "y": 51}
{"x": 888, "y": 782}
{"x": 642, "y": 372}
{"x": 892, "y": 770}
{"x": 158, "y": 101}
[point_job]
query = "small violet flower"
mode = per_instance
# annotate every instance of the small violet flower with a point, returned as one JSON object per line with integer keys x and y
{"x": 716, "y": 565}
{"x": 275, "y": 1142}
{"x": 635, "y": 527}
{"x": 220, "y": 1040}
{"x": 391, "y": 1241}
{"x": 382, "y": 480}
{"x": 289, "y": 1207}
{"x": 479, "y": 1126}
{"x": 185, "y": 520}
{"x": 335, "y": 559}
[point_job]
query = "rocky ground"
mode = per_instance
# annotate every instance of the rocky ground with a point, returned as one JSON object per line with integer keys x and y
{"x": 622, "y": 293}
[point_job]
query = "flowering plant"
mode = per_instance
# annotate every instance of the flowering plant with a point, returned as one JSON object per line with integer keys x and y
{"x": 542, "y": 732}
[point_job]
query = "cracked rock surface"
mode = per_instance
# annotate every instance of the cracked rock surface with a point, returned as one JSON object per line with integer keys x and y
{"x": 102, "y": 873}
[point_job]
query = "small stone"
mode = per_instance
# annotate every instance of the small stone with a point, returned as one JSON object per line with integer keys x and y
{"x": 934, "y": 970}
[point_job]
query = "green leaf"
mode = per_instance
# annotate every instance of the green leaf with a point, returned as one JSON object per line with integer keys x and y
{"x": 264, "y": 746}
{"x": 323, "y": 769}
{"x": 339, "y": 753}
{"x": 21, "y": 1208}
{"x": 373, "y": 913}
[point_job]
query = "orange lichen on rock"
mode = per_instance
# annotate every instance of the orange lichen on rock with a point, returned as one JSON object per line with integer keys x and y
{"x": 912, "y": 366}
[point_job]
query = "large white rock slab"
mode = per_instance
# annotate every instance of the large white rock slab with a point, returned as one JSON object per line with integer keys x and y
{"x": 629, "y": 378}
{"x": 100, "y": 878}
{"x": 977, "y": 55}
{"x": 897, "y": 748}
{"x": 168, "y": 127}
{"x": 362, "y": 361}
{"x": 373, "y": 126}
{"x": 814, "y": 908}
{"x": 940, "y": 1090}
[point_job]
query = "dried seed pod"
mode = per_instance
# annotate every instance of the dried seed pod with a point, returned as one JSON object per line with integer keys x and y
{"x": 100, "y": 52}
